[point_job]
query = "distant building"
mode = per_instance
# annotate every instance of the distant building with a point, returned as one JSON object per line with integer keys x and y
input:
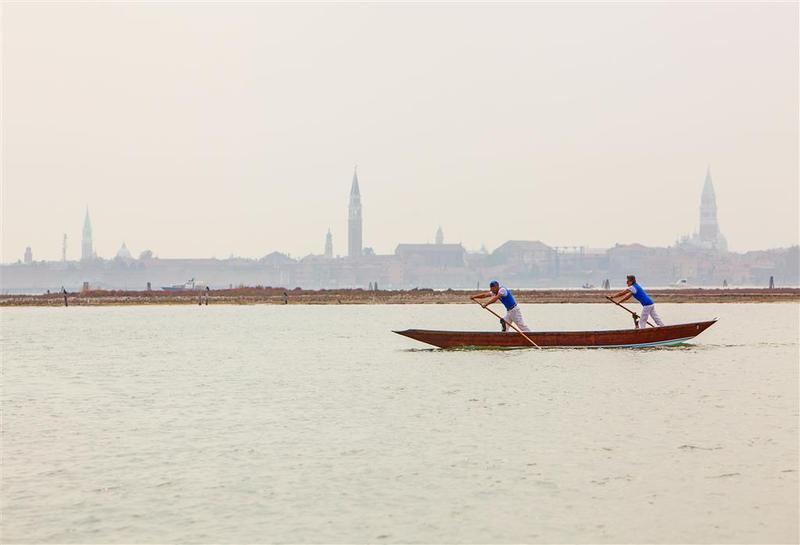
{"x": 28, "y": 256}
{"x": 329, "y": 245}
{"x": 87, "y": 251}
{"x": 431, "y": 255}
{"x": 123, "y": 253}
{"x": 524, "y": 253}
{"x": 276, "y": 259}
{"x": 354, "y": 221}
{"x": 709, "y": 236}
{"x": 439, "y": 236}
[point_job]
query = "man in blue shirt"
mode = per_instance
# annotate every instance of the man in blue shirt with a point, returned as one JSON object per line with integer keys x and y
{"x": 638, "y": 293}
{"x": 501, "y": 293}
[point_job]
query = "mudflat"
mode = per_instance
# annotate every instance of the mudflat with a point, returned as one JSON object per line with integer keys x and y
{"x": 280, "y": 296}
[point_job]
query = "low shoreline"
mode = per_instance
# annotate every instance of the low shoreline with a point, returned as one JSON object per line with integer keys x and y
{"x": 278, "y": 296}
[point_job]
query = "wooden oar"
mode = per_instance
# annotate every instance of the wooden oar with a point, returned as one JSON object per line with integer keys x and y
{"x": 511, "y": 324}
{"x": 635, "y": 316}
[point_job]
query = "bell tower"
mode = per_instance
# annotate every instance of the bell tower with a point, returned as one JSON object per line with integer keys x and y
{"x": 354, "y": 220}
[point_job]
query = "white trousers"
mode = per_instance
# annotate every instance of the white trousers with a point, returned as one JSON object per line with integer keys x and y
{"x": 515, "y": 316}
{"x": 647, "y": 312}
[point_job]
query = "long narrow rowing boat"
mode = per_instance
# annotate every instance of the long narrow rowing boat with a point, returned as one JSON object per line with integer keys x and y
{"x": 614, "y": 338}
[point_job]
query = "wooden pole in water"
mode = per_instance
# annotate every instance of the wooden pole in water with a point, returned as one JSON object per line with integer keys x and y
{"x": 635, "y": 316}
{"x": 512, "y": 325}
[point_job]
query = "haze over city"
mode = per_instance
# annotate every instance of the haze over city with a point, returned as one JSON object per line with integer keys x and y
{"x": 400, "y": 272}
{"x": 211, "y": 130}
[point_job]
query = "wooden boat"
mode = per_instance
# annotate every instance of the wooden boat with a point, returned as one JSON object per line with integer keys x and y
{"x": 614, "y": 338}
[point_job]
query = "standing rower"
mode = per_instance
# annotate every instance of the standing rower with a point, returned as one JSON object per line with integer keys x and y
{"x": 648, "y": 307}
{"x": 501, "y": 293}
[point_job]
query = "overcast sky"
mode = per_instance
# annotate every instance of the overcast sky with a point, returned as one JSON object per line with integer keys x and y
{"x": 200, "y": 130}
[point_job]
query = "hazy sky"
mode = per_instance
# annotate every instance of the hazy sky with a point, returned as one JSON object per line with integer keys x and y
{"x": 216, "y": 129}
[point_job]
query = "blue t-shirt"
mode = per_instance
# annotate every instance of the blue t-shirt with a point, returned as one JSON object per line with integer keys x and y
{"x": 640, "y": 295}
{"x": 506, "y": 298}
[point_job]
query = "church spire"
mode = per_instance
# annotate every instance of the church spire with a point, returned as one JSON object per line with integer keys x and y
{"x": 87, "y": 223}
{"x": 708, "y": 210}
{"x": 709, "y": 196}
{"x": 87, "y": 251}
{"x": 354, "y": 222}
{"x": 354, "y": 190}
{"x": 329, "y": 245}
{"x": 710, "y": 234}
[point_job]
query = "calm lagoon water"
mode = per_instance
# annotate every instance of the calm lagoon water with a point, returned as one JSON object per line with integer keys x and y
{"x": 317, "y": 424}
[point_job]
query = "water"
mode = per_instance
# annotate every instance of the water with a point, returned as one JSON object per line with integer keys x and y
{"x": 316, "y": 424}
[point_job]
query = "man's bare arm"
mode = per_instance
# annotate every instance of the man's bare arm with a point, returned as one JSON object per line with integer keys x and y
{"x": 621, "y": 293}
{"x": 494, "y": 299}
{"x": 628, "y": 296}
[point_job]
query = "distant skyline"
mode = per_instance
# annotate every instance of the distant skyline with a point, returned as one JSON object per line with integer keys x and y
{"x": 198, "y": 130}
{"x": 707, "y": 234}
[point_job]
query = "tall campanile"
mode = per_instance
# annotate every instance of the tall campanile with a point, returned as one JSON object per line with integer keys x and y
{"x": 87, "y": 251}
{"x": 709, "y": 235}
{"x": 709, "y": 229}
{"x": 354, "y": 222}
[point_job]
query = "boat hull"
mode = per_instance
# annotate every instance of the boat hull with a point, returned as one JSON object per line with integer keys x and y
{"x": 616, "y": 338}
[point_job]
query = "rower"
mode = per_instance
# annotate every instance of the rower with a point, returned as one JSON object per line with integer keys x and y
{"x": 501, "y": 293}
{"x": 648, "y": 307}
